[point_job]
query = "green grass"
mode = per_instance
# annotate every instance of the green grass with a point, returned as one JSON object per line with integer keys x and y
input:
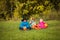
{"x": 9, "y": 30}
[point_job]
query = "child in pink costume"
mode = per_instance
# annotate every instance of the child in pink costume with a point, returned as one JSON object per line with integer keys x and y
{"x": 41, "y": 24}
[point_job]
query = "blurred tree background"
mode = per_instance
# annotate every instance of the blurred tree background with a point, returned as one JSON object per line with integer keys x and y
{"x": 17, "y": 9}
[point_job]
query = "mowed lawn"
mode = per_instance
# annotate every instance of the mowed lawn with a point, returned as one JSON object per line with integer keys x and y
{"x": 9, "y": 30}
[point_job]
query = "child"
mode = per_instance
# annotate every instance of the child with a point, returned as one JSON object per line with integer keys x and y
{"x": 42, "y": 24}
{"x": 33, "y": 24}
{"x": 24, "y": 25}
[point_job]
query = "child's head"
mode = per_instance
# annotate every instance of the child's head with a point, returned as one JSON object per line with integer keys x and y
{"x": 24, "y": 20}
{"x": 41, "y": 20}
{"x": 32, "y": 18}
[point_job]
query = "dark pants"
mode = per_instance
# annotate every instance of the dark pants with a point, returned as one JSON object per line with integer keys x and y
{"x": 27, "y": 28}
{"x": 20, "y": 28}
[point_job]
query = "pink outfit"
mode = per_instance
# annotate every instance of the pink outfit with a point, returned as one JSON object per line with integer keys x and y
{"x": 41, "y": 24}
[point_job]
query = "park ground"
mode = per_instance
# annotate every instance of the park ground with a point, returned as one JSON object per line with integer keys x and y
{"x": 9, "y": 30}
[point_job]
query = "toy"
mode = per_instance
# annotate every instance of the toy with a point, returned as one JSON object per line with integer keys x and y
{"x": 24, "y": 28}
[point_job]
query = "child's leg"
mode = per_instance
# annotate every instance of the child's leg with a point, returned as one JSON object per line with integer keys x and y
{"x": 33, "y": 26}
{"x": 20, "y": 28}
{"x": 29, "y": 28}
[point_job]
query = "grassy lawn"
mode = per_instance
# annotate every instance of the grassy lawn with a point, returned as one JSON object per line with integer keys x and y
{"x": 9, "y": 30}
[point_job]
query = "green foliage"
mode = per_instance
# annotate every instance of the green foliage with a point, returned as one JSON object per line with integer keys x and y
{"x": 46, "y": 2}
{"x": 40, "y": 7}
{"x": 25, "y": 11}
{"x": 17, "y": 8}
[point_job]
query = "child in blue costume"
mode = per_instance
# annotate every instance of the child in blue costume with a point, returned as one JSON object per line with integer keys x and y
{"x": 24, "y": 23}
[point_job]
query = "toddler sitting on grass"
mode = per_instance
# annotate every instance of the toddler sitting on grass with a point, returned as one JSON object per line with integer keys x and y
{"x": 42, "y": 24}
{"x": 24, "y": 25}
{"x": 33, "y": 24}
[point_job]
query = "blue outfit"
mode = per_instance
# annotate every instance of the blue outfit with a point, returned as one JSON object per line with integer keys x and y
{"x": 24, "y": 24}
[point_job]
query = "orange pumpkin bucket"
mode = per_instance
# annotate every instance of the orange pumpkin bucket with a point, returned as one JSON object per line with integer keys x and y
{"x": 24, "y": 28}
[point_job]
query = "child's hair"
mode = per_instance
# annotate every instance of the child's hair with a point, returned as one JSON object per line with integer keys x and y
{"x": 23, "y": 19}
{"x": 32, "y": 18}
